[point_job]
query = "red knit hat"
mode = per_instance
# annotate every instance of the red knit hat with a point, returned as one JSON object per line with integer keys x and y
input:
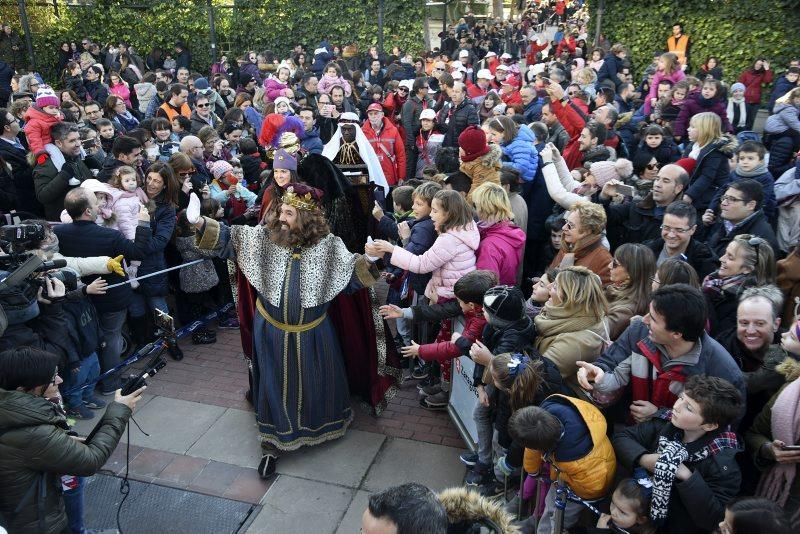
{"x": 688, "y": 164}
{"x": 473, "y": 141}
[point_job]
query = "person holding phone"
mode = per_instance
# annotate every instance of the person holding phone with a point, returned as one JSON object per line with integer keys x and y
{"x": 36, "y": 447}
{"x": 774, "y": 438}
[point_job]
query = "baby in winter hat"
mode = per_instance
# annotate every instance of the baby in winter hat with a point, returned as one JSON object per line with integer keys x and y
{"x": 605, "y": 171}
{"x": 39, "y": 119}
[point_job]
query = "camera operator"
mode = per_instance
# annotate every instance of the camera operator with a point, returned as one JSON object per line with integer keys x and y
{"x": 82, "y": 238}
{"x": 35, "y": 447}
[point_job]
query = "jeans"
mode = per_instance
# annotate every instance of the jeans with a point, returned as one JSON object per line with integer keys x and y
{"x": 88, "y": 371}
{"x": 73, "y": 506}
{"x": 141, "y": 304}
{"x": 111, "y": 326}
{"x": 484, "y": 416}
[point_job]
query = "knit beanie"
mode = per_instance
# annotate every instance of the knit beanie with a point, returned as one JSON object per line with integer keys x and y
{"x": 738, "y": 86}
{"x": 605, "y": 171}
{"x": 284, "y": 160}
{"x": 220, "y": 168}
{"x": 201, "y": 84}
{"x": 473, "y": 141}
{"x": 504, "y": 302}
{"x": 46, "y": 97}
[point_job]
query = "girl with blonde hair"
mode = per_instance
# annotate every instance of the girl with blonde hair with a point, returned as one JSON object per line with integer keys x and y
{"x": 502, "y": 242}
{"x": 712, "y": 151}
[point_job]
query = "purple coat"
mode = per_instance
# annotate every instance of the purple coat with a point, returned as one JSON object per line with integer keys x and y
{"x": 695, "y": 103}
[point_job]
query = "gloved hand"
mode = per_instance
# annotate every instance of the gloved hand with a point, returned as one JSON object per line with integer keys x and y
{"x": 114, "y": 265}
{"x": 193, "y": 209}
{"x": 503, "y": 466}
{"x": 529, "y": 487}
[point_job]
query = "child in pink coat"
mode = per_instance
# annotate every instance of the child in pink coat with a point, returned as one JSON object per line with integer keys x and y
{"x": 39, "y": 119}
{"x": 331, "y": 77}
{"x": 452, "y": 254}
{"x": 128, "y": 199}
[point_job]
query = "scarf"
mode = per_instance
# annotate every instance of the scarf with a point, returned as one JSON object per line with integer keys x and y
{"x": 760, "y": 169}
{"x": 715, "y": 286}
{"x": 776, "y": 483}
{"x": 742, "y": 112}
{"x": 671, "y": 454}
{"x": 655, "y": 386}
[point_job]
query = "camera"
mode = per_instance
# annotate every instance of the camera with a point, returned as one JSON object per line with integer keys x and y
{"x": 18, "y": 234}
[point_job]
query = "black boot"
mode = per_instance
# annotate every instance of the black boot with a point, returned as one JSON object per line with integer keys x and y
{"x": 174, "y": 350}
{"x": 140, "y": 331}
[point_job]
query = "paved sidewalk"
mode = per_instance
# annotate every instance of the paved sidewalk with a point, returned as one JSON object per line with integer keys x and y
{"x": 203, "y": 439}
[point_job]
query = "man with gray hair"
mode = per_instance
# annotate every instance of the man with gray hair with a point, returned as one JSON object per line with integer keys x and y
{"x": 53, "y": 179}
{"x": 607, "y": 115}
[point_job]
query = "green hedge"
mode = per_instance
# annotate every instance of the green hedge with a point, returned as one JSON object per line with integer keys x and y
{"x": 274, "y": 25}
{"x": 735, "y": 31}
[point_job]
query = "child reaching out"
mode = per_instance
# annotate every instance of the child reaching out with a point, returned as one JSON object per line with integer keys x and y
{"x": 630, "y": 506}
{"x": 128, "y": 198}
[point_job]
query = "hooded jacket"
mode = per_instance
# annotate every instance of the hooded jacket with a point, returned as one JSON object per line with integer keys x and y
{"x": 564, "y": 337}
{"x": 468, "y": 511}
{"x": 786, "y": 117}
{"x": 145, "y": 93}
{"x": 515, "y": 337}
{"x": 521, "y": 154}
{"x": 34, "y": 442}
{"x": 390, "y": 149}
{"x": 451, "y": 257}
{"x": 590, "y": 475}
{"x": 695, "y": 104}
{"x": 483, "y": 169}
{"x": 500, "y": 250}
{"x": 711, "y": 172}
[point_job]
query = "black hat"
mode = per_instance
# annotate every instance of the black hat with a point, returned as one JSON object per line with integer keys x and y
{"x": 504, "y": 302}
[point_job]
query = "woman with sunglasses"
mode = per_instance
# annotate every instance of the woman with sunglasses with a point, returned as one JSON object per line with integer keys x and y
{"x": 645, "y": 170}
{"x": 38, "y": 447}
{"x": 631, "y": 270}
{"x": 748, "y": 261}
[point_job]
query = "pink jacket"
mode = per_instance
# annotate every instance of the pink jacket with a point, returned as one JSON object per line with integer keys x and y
{"x": 326, "y": 83}
{"x": 450, "y": 257}
{"x": 500, "y": 251}
{"x": 121, "y": 90}
{"x": 125, "y": 206}
{"x": 675, "y": 77}
{"x": 274, "y": 88}
{"x": 37, "y": 128}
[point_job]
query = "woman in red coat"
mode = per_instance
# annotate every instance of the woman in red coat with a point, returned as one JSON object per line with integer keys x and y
{"x": 754, "y": 79}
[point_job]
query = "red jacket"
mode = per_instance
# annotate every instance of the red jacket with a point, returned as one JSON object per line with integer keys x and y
{"x": 474, "y": 90}
{"x": 573, "y": 123}
{"x": 37, "y": 128}
{"x": 443, "y": 349}
{"x": 753, "y": 81}
{"x": 567, "y": 44}
{"x": 534, "y": 49}
{"x": 511, "y": 98}
{"x": 389, "y": 147}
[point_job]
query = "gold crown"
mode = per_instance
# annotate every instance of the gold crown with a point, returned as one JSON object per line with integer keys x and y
{"x": 302, "y": 202}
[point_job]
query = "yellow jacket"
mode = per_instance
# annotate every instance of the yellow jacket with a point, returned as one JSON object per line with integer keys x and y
{"x": 592, "y": 476}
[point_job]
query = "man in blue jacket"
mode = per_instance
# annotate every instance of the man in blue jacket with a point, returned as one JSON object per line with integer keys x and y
{"x": 83, "y": 239}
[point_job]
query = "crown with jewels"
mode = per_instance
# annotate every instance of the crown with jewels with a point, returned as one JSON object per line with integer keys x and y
{"x": 306, "y": 202}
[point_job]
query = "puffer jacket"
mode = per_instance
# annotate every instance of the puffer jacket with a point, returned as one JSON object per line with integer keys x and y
{"x": 34, "y": 442}
{"x": 451, "y": 257}
{"x": 483, "y": 169}
{"x": 126, "y": 205}
{"x": 37, "y": 128}
{"x": 162, "y": 224}
{"x": 711, "y": 172}
{"x": 145, "y": 93}
{"x": 516, "y": 337}
{"x": 695, "y": 104}
{"x": 565, "y": 337}
{"x": 274, "y": 88}
{"x": 786, "y": 117}
{"x": 468, "y": 511}
{"x": 500, "y": 251}
{"x": 521, "y": 155}
{"x": 592, "y": 475}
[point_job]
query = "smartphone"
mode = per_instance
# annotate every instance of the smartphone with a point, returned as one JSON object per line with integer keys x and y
{"x": 625, "y": 190}
{"x": 546, "y": 81}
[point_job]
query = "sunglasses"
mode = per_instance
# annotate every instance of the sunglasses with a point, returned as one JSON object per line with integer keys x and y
{"x": 187, "y": 173}
{"x": 652, "y": 166}
{"x": 203, "y": 105}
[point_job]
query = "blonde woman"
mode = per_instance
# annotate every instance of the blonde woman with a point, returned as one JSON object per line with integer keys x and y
{"x": 502, "y": 242}
{"x": 572, "y": 325}
{"x": 712, "y": 151}
{"x": 582, "y": 240}
{"x": 668, "y": 69}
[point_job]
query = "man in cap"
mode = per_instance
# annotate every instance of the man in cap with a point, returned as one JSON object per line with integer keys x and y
{"x": 509, "y": 92}
{"x": 387, "y": 143}
{"x": 481, "y": 87}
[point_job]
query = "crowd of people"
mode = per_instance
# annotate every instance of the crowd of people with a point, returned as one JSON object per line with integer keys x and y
{"x": 612, "y": 244}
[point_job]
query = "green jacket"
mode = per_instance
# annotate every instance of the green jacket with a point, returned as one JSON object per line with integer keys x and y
{"x": 52, "y": 185}
{"x": 34, "y": 441}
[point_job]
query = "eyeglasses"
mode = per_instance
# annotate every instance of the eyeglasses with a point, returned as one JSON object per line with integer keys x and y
{"x": 569, "y": 225}
{"x": 203, "y": 105}
{"x": 188, "y": 172}
{"x": 95, "y": 112}
{"x": 652, "y": 166}
{"x": 728, "y": 198}
{"x": 403, "y": 89}
{"x": 670, "y": 229}
{"x": 439, "y": 69}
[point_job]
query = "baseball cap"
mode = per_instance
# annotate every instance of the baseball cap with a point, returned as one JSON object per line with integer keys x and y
{"x": 502, "y": 67}
{"x": 490, "y": 54}
{"x": 374, "y": 107}
{"x": 485, "y": 74}
{"x": 505, "y": 55}
{"x": 511, "y": 80}
{"x": 463, "y": 53}
{"x": 426, "y": 113}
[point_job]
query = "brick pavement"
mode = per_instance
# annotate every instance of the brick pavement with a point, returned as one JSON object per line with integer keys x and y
{"x": 216, "y": 374}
